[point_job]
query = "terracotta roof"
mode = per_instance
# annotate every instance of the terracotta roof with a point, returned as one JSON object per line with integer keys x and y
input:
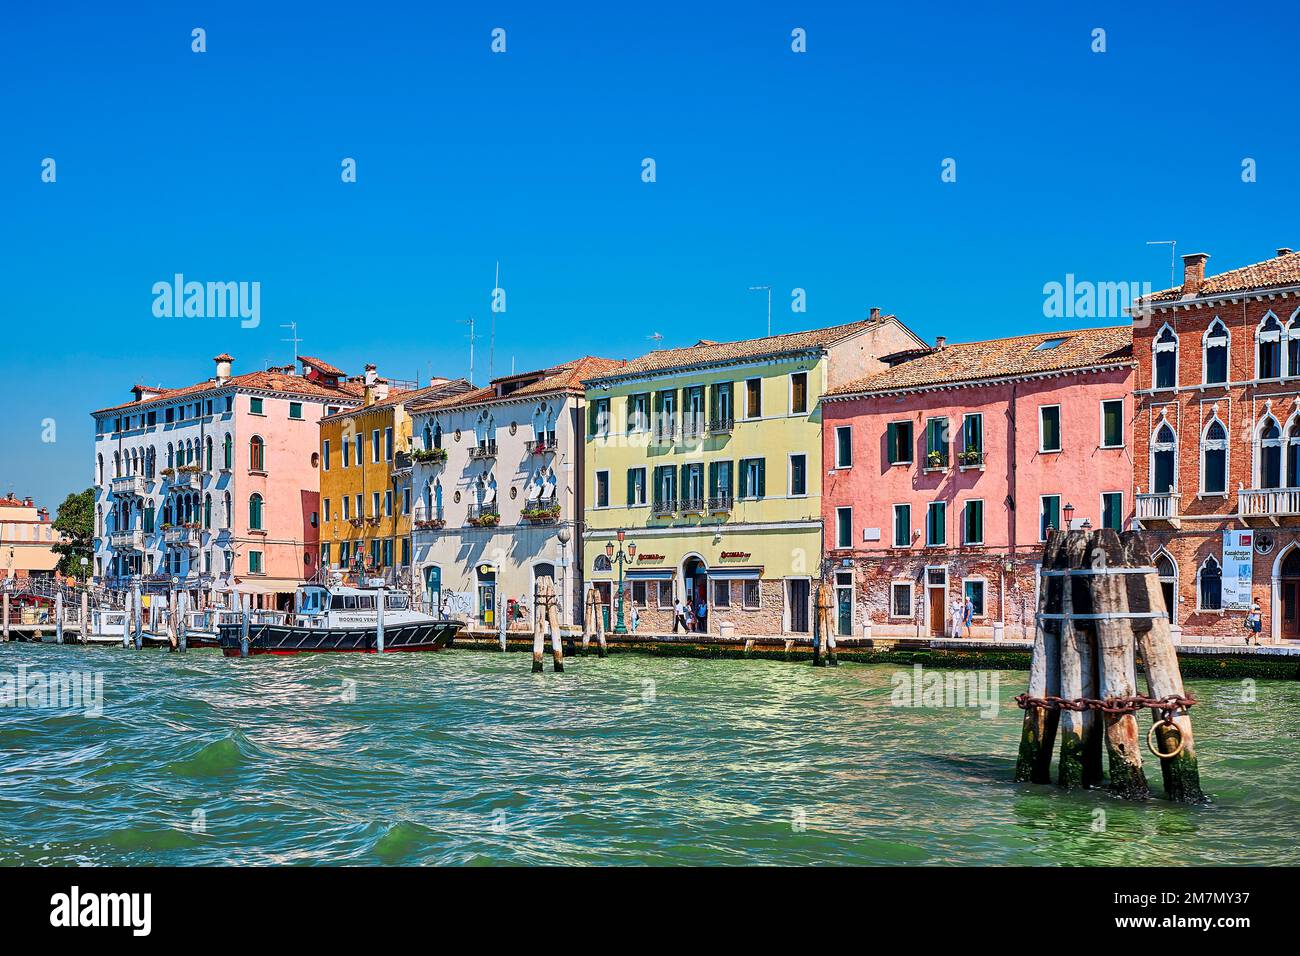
{"x": 706, "y": 352}
{"x": 567, "y": 377}
{"x": 1001, "y": 358}
{"x": 322, "y": 366}
{"x": 443, "y": 388}
{"x": 1281, "y": 270}
{"x": 269, "y": 381}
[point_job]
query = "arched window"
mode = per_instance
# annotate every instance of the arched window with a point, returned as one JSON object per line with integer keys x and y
{"x": 151, "y": 462}
{"x": 1215, "y": 348}
{"x": 256, "y": 454}
{"x": 437, "y": 435}
{"x": 1214, "y": 458}
{"x": 1268, "y": 348}
{"x": 207, "y": 450}
{"x": 428, "y": 437}
{"x": 1167, "y": 571}
{"x": 602, "y": 563}
{"x": 1292, "y": 335}
{"x": 1293, "y": 452}
{"x": 1269, "y": 473}
{"x": 229, "y": 510}
{"x": 1164, "y": 460}
{"x": 228, "y": 452}
{"x": 1209, "y": 586}
{"x": 171, "y": 456}
{"x": 1165, "y": 358}
{"x": 117, "y": 464}
{"x": 99, "y": 468}
{"x": 207, "y": 512}
{"x": 255, "y": 512}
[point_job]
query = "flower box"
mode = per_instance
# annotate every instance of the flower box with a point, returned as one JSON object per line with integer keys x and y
{"x": 434, "y": 456}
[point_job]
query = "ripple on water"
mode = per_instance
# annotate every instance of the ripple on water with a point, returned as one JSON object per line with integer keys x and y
{"x": 467, "y": 758}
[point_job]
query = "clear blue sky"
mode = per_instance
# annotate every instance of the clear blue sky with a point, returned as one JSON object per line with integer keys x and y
{"x": 819, "y": 171}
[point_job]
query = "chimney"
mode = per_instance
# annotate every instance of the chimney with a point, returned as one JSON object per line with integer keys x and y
{"x": 940, "y": 342}
{"x": 223, "y": 368}
{"x": 875, "y": 313}
{"x": 372, "y": 388}
{"x": 1284, "y": 251}
{"x": 1194, "y": 272}
{"x": 28, "y": 501}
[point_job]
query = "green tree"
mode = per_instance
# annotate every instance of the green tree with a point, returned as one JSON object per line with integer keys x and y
{"x": 76, "y": 523}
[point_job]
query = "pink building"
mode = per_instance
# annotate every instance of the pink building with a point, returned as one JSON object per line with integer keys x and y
{"x": 213, "y": 488}
{"x": 945, "y": 472}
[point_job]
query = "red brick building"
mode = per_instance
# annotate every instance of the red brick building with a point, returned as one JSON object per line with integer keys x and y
{"x": 945, "y": 473}
{"x": 1217, "y": 444}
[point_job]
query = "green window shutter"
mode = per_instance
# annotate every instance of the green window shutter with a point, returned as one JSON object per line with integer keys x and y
{"x": 762, "y": 477}
{"x": 631, "y": 486}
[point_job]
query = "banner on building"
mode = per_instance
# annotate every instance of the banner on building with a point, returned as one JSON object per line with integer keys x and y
{"x": 1238, "y": 560}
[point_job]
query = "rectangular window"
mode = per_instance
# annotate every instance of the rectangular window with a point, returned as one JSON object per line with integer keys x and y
{"x": 255, "y": 562}
{"x": 388, "y": 503}
{"x": 639, "y": 593}
{"x": 936, "y": 443}
{"x": 602, "y": 489}
{"x": 361, "y": 448}
{"x": 636, "y": 486}
{"x": 722, "y": 593}
{"x": 406, "y": 501}
{"x": 843, "y": 527}
{"x": 902, "y": 526}
{"x": 720, "y": 411}
{"x": 1049, "y": 428}
{"x": 347, "y": 508}
{"x": 230, "y": 403}
{"x": 720, "y": 481}
{"x": 900, "y": 599}
{"x": 374, "y": 504}
{"x": 255, "y": 408}
{"x": 664, "y": 598}
{"x": 374, "y": 446}
{"x": 388, "y": 552}
{"x": 347, "y": 453}
{"x": 753, "y": 482}
{"x": 1112, "y": 423}
{"x": 1112, "y": 510}
{"x": 972, "y": 440}
{"x": 799, "y": 393}
{"x": 936, "y": 524}
{"x": 599, "y": 423}
{"x": 973, "y": 523}
{"x": 325, "y": 555}
{"x": 638, "y": 412}
{"x": 295, "y": 410}
{"x": 798, "y": 475}
{"x": 388, "y": 444}
{"x": 974, "y": 590}
{"x": 665, "y": 490}
{"x": 751, "y": 594}
{"x": 325, "y": 454}
{"x": 406, "y": 552}
{"x": 754, "y": 398}
{"x": 844, "y": 446}
{"x": 153, "y": 418}
{"x": 168, "y": 416}
{"x": 361, "y": 507}
{"x": 898, "y": 441}
{"x": 325, "y": 508}
{"x": 1049, "y": 515}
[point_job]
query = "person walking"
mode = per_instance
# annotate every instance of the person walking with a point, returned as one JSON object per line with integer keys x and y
{"x": 1254, "y": 623}
{"x": 679, "y": 617}
{"x": 956, "y": 612}
{"x": 636, "y": 619}
{"x": 702, "y": 617}
{"x": 968, "y": 614}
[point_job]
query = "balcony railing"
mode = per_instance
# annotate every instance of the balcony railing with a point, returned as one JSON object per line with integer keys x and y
{"x": 128, "y": 486}
{"x": 970, "y": 459}
{"x": 186, "y": 480}
{"x": 542, "y": 446}
{"x": 1157, "y": 507}
{"x": 721, "y": 503}
{"x": 483, "y": 515}
{"x": 1268, "y": 502}
{"x": 188, "y": 537}
{"x": 484, "y": 450}
{"x": 664, "y": 506}
{"x": 936, "y": 460}
{"x": 693, "y": 506}
{"x": 665, "y": 431}
{"x": 693, "y": 426}
{"x": 721, "y": 424}
{"x": 541, "y": 511}
{"x": 132, "y": 540}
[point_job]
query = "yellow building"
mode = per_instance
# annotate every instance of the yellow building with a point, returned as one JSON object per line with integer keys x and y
{"x": 709, "y": 458}
{"x": 365, "y": 480}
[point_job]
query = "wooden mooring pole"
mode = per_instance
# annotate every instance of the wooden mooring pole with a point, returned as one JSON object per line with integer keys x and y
{"x": 1038, "y": 734}
{"x": 5, "y": 599}
{"x": 84, "y": 623}
{"x": 546, "y": 613}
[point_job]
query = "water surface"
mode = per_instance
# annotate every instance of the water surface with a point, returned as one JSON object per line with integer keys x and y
{"x": 467, "y": 758}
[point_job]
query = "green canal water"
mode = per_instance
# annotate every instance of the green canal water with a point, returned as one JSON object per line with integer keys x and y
{"x": 467, "y": 758}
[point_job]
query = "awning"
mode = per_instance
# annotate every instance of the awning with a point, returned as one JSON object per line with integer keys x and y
{"x": 666, "y": 575}
{"x": 733, "y": 573}
{"x": 266, "y": 585}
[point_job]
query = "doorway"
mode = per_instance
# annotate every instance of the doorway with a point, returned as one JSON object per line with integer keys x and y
{"x": 487, "y": 595}
{"x": 936, "y": 599}
{"x": 1289, "y": 588}
{"x": 798, "y": 590}
{"x": 844, "y": 603}
{"x": 1168, "y": 575}
{"x": 433, "y": 589}
{"x": 695, "y": 587}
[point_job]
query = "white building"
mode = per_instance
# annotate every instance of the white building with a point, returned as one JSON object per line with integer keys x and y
{"x": 497, "y": 478}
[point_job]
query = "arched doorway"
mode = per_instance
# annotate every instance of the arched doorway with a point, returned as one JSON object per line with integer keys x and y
{"x": 540, "y": 571}
{"x": 1289, "y": 590}
{"x": 695, "y": 588}
{"x": 433, "y": 589}
{"x": 1168, "y": 574}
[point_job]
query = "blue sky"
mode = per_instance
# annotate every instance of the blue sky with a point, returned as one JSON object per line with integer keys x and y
{"x": 818, "y": 171}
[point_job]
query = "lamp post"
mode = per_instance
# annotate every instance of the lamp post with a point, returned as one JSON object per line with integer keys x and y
{"x": 1069, "y": 515}
{"x": 622, "y": 556}
{"x": 563, "y": 536}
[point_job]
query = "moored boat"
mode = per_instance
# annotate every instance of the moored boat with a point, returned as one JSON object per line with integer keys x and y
{"x": 333, "y": 618}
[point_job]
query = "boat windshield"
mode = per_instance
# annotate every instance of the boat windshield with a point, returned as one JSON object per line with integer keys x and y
{"x": 311, "y": 600}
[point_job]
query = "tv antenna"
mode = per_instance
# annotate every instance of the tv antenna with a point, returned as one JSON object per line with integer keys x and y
{"x": 471, "y": 336}
{"x": 768, "y": 290}
{"x": 1173, "y": 257}
{"x": 293, "y": 337}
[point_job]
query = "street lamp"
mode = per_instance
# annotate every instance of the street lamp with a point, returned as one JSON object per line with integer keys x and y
{"x": 622, "y": 556}
{"x": 564, "y": 536}
{"x": 1069, "y": 515}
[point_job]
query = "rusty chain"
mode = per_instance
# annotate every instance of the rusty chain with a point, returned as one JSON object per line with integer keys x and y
{"x": 1110, "y": 705}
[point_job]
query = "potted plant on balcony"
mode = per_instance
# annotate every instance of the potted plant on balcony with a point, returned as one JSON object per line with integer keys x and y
{"x": 542, "y": 513}
{"x": 434, "y": 456}
{"x": 970, "y": 457}
{"x": 934, "y": 459}
{"x": 489, "y": 519}
{"x": 168, "y": 472}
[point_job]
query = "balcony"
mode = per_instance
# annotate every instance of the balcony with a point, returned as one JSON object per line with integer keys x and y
{"x": 181, "y": 536}
{"x": 431, "y": 522}
{"x": 132, "y": 540}
{"x": 663, "y": 507}
{"x": 542, "y": 446}
{"x": 970, "y": 458}
{"x": 483, "y": 451}
{"x": 721, "y": 504}
{"x": 666, "y": 431}
{"x": 186, "y": 479}
{"x": 429, "y": 456}
{"x": 541, "y": 511}
{"x": 692, "y": 506}
{"x": 1269, "y": 503}
{"x": 1158, "y": 507}
{"x": 483, "y": 516}
{"x": 721, "y": 425}
{"x": 128, "y": 486}
{"x": 936, "y": 461}
{"x": 693, "y": 426}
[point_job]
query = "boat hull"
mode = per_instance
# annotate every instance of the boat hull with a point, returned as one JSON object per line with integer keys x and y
{"x": 290, "y": 639}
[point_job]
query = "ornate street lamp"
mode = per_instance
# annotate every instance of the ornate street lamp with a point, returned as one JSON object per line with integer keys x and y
{"x": 623, "y": 557}
{"x": 1069, "y": 515}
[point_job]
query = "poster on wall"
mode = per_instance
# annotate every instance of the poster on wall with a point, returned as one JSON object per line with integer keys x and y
{"x": 1238, "y": 559}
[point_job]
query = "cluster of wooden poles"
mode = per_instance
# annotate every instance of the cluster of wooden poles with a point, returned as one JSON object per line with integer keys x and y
{"x": 1100, "y": 606}
{"x": 61, "y": 619}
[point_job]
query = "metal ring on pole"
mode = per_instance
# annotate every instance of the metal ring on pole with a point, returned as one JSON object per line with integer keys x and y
{"x": 1164, "y": 721}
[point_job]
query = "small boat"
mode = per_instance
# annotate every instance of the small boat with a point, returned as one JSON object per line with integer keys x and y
{"x": 334, "y": 617}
